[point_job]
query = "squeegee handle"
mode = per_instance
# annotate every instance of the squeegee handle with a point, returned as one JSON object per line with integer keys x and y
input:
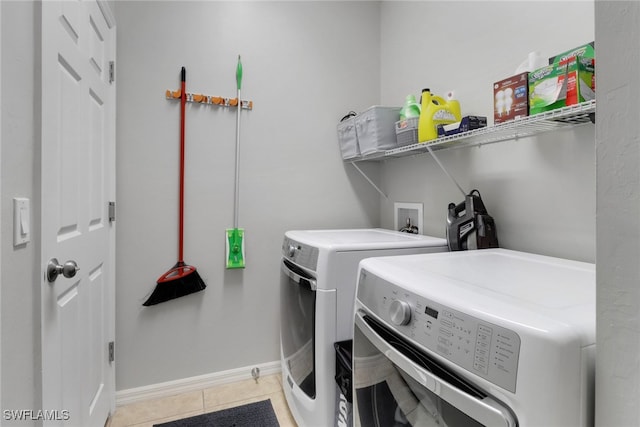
{"x": 183, "y": 103}
{"x": 236, "y": 200}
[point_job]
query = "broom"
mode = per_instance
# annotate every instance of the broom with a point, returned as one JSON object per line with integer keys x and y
{"x": 182, "y": 279}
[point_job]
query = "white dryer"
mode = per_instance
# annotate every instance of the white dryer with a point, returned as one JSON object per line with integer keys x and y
{"x": 318, "y": 279}
{"x": 488, "y": 337}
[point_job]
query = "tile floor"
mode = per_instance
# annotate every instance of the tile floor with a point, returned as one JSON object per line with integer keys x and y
{"x": 156, "y": 411}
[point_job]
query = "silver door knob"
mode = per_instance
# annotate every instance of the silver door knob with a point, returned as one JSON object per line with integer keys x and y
{"x": 68, "y": 269}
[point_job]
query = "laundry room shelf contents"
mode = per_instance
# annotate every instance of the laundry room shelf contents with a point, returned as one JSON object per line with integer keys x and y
{"x": 561, "y": 118}
{"x": 219, "y": 101}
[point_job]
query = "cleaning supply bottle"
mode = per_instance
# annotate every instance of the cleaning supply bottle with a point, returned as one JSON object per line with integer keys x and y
{"x": 533, "y": 62}
{"x": 453, "y": 104}
{"x": 410, "y": 109}
{"x": 435, "y": 111}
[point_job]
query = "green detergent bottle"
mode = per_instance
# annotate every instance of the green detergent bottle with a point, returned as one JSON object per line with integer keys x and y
{"x": 410, "y": 109}
{"x": 435, "y": 111}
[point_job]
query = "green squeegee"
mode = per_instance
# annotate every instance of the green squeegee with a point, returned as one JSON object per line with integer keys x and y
{"x": 235, "y": 236}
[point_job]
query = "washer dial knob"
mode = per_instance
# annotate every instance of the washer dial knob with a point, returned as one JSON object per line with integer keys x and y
{"x": 400, "y": 312}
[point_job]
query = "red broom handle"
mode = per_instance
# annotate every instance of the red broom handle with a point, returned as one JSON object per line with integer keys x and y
{"x": 183, "y": 102}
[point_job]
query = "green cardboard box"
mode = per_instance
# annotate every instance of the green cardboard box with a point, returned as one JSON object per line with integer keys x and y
{"x": 587, "y": 50}
{"x": 562, "y": 84}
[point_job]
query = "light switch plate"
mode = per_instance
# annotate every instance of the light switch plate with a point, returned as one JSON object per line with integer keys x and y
{"x": 21, "y": 221}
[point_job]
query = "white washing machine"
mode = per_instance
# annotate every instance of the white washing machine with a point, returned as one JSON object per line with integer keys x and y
{"x": 318, "y": 279}
{"x": 488, "y": 337}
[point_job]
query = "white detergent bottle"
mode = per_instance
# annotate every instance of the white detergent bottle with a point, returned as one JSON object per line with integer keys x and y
{"x": 533, "y": 62}
{"x": 454, "y": 104}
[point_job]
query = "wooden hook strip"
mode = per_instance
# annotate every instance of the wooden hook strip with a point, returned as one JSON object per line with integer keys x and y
{"x": 173, "y": 94}
{"x": 200, "y": 98}
{"x": 211, "y": 100}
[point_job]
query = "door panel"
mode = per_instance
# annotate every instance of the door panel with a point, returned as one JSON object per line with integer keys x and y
{"x": 67, "y": 145}
{"x": 96, "y": 45}
{"x": 69, "y": 308}
{"x": 96, "y": 161}
{"x": 96, "y": 339}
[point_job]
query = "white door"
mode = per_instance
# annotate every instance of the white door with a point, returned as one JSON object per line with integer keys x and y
{"x": 78, "y": 181}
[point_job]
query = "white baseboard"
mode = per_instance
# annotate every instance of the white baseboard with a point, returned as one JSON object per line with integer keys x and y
{"x": 170, "y": 388}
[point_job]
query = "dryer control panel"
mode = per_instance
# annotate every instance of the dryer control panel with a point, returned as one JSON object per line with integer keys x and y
{"x": 301, "y": 254}
{"x": 482, "y": 348}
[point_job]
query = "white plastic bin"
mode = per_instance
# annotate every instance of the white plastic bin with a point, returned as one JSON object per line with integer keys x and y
{"x": 348, "y": 139}
{"x": 375, "y": 128}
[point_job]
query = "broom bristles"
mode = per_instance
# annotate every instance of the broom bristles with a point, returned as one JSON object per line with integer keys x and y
{"x": 186, "y": 284}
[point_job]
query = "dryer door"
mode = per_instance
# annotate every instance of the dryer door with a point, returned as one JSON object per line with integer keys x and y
{"x": 297, "y": 325}
{"x": 397, "y": 384}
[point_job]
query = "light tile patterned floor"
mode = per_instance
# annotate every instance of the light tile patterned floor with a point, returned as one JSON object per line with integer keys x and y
{"x": 156, "y": 411}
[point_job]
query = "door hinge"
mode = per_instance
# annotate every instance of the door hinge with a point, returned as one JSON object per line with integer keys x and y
{"x": 112, "y": 211}
{"x": 112, "y": 71}
{"x": 112, "y": 352}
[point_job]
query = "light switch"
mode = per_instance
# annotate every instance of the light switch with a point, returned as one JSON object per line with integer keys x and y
{"x": 21, "y": 221}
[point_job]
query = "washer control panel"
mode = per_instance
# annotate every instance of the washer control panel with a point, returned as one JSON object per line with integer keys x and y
{"x": 482, "y": 348}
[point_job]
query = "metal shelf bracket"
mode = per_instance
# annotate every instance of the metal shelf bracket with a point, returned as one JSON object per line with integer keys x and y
{"x": 369, "y": 180}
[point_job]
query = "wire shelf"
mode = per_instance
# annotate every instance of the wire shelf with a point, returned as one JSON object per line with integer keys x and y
{"x": 561, "y": 118}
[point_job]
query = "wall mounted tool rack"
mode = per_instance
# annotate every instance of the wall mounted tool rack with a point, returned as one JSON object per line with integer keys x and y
{"x": 554, "y": 120}
{"x": 219, "y": 101}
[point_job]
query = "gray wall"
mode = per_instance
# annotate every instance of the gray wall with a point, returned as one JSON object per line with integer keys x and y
{"x": 618, "y": 208}
{"x": 305, "y": 65}
{"x": 0, "y": 202}
{"x": 540, "y": 190}
{"x": 303, "y": 78}
{"x": 20, "y": 177}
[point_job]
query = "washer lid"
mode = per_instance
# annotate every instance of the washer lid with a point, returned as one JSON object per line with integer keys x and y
{"x": 363, "y": 239}
{"x": 514, "y": 289}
